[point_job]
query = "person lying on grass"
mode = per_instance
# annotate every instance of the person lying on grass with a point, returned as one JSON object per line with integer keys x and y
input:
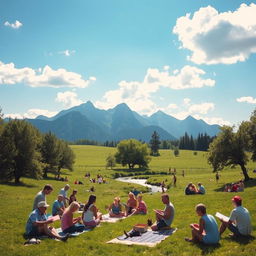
{"x": 58, "y": 206}
{"x": 91, "y": 215}
{"x": 38, "y": 225}
{"x": 207, "y": 230}
{"x": 239, "y": 221}
{"x": 131, "y": 204}
{"x": 70, "y": 224}
{"x": 141, "y": 206}
{"x": 191, "y": 189}
{"x": 115, "y": 209}
{"x": 164, "y": 218}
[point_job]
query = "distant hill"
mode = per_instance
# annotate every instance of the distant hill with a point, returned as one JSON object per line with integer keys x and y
{"x": 88, "y": 122}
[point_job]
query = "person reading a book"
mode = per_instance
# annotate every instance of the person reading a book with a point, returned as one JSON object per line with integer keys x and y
{"x": 164, "y": 218}
{"x": 239, "y": 222}
{"x": 207, "y": 230}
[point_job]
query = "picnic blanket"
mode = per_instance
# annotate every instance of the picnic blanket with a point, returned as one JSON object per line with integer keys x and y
{"x": 107, "y": 218}
{"x": 150, "y": 238}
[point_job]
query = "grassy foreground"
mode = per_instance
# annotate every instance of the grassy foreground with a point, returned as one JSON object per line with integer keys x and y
{"x": 16, "y": 203}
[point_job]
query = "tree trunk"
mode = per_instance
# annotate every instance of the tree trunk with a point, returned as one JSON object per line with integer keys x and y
{"x": 246, "y": 176}
{"x": 17, "y": 180}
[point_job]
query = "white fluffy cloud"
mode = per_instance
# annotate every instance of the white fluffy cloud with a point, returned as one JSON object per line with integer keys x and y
{"x": 43, "y": 77}
{"x": 214, "y": 37}
{"x": 32, "y": 113}
{"x": 202, "y": 108}
{"x": 16, "y": 25}
{"x": 138, "y": 94}
{"x": 67, "y": 52}
{"x": 68, "y": 98}
{"x": 213, "y": 120}
{"x": 247, "y": 99}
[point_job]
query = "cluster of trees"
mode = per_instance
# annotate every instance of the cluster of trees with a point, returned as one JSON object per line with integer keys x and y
{"x": 155, "y": 144}
{"x": 108, "y": 143}
{"x": 25, "y": 152}
{"x": 230, "y": 148}
{"x": 201, "y": 143}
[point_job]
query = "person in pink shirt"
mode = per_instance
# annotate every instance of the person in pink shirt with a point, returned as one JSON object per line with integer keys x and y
{"x": 68, "y": 223}
{"x": 142, "y": 207}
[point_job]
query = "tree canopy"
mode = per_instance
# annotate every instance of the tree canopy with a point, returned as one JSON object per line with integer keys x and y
{"x": 155, "y": 144}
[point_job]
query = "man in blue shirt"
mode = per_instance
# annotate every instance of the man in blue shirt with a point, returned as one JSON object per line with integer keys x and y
{"x": 38, "y": 224}
{"x": 58, "y": 206}
{"x": 201, "y": 189}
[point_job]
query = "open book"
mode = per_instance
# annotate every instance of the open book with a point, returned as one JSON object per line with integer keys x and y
{"x": 54, "y": 218}
{"x": 222, "y": 217}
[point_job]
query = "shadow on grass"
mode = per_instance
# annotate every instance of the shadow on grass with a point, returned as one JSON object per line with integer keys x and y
{"x": 248, "y": 184}
{"x": 241, "y": 240}
{"x": 21, "y": 184}
{"x": 207, "y": 249}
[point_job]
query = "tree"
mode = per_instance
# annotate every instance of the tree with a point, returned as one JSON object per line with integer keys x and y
{"x": 176, "y": 152}
{"x": 110, "y": 161}
{"x": 18, "y": 151}
{"x": 228, "y": 149}
{"x": 155, "y": 144}
{"x": 132, "y": 152}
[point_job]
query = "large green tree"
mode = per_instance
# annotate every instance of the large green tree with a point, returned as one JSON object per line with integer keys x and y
{"x": 228, "y": 149}
{"x": 132, "y": 152}
{"x": 155, "y": 144}
{"x": 18, "y": 151}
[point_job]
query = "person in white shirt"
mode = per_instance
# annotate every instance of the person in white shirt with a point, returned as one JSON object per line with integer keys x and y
{"x": 64, "y": 192}
{"x": 239, "y": 221}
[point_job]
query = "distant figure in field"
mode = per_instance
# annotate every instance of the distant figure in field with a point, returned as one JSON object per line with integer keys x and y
{"x": 164, "y": 218}
{"x": 58, "y": 206}
{"x": 163, "y": 186}
{"x": 207, "y": 230}
{"x": 217, "y": 176}
{"x": 64, "y": 192}
{"x": 91, "y": 215}
{"x": 201, "y": 189}
{"x": 141, "y": 207}
{"x": 92, "y": 189}
{"x": 70, "y": 224}
{"x": 38, "y": 225}
{"x": 72, "y": 197}
{"x": 183, "y": 173}
{"x": 41, "y": 196}
{"x": 131, "y": 204}
{"x": 115, "y": 209}
{"x": 241, "y": 186}
{"x": 174, "y": 180}
{"x": 239, "y": 221}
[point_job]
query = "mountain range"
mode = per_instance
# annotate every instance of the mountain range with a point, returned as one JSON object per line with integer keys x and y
{"x": 88, "y": 122}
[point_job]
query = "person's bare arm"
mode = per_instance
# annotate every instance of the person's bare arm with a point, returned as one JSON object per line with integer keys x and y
{"x": 201, "y": 226}
{"x": 167, "y": 213}
{"x": 42, "y": 222}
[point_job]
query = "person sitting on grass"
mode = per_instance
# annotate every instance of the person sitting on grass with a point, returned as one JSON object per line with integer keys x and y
{"x": 115, "y": 209}
{"x": 201, "y": 189}
{"x": 239, "y": 221}
{"x": 72, "y": 197}
{"x": 91, "y": 215}
{"x": 41, "y": 196}
{"x": 207, "y": 230}
{"x": 241, "y": 186}
{"x": 38, "y": 225}
{"x": 164, "y": 218}
{"x": 58, "y": 206}
{"x": 142, "y": 207}
{"x": 70, "y": 224}
{"x": 131, "y": 204}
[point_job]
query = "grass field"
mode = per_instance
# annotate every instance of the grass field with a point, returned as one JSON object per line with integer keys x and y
{"x": 16, "y": 203}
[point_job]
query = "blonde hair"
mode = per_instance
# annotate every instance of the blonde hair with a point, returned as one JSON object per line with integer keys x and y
{"x": 131, "y": 195}
{"x": 74, "y": 206}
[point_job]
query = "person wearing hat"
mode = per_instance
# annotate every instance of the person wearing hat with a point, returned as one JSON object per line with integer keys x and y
{"x": 239, "y": 221}
{"x": 58, "y": 206}
{"x": 41, "y": 195}
{"x": 64, "y": 192}
{"x": 38, "y": 224}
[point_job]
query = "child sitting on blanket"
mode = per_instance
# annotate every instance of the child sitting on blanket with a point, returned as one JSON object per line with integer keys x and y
{"x": 207, "y": 230}
{"x": 115, "y": 209}
{"x": 131, "y": 204}
{"x": 142, "y": 207}
{"x": 91, "y": 215}
{"x": 68, "y": 223}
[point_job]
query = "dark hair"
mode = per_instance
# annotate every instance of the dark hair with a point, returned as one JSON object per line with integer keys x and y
{"x": 201, "y": 208}
{"x": 91, "y": 200}
{"x": 48, "y": 187}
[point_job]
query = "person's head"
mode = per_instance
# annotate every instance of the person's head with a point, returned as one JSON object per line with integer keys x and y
{"x": 42, "y": 206}
{"x": 190, "y": 184}
{"x": 67, "y": 187}
{"x": 131, "y": 195}
{"x": 117, "y": 200}
{"x": 47, "y": 189}
{"x": 91, "y": 200}
{"x": 165, "y": 199}
{"x": 237, "y": 201}
{"x": 201, "y": 209}
{"x": 60, "y": 198}
{"x": 74, "y": 192}
{"x": 139, "y": 197}
{"x": 73, "y": 207}
{"x": 199, "y": 184}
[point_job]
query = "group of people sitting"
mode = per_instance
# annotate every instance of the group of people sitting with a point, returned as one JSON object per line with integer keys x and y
{"x": 99, "y": 179}
{"x": 234, "y": 187}
{"x": 191, "y": 189}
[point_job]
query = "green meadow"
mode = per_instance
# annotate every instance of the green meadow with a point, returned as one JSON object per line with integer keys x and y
{"x": 16, "y": 203}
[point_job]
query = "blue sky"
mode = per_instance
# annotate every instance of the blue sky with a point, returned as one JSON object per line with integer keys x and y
{"x": 147, "y": 53}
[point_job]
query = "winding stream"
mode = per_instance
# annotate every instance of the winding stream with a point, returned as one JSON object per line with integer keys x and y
{"x": 141, "y": 182}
